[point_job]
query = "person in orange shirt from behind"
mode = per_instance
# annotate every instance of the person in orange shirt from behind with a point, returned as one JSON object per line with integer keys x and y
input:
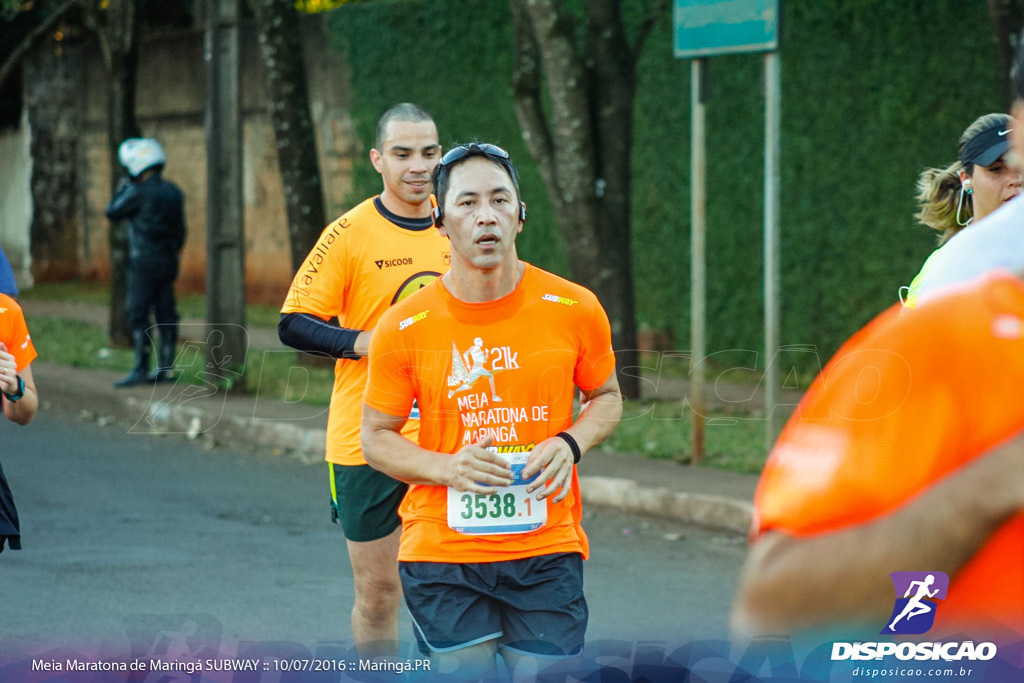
{"x": 493, "y": 353}
{"x": 905, "y": 460}
{"x": 905, "y": 455}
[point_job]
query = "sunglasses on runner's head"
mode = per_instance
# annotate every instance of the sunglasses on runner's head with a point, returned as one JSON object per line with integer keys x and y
{"x": 463, "y": 151}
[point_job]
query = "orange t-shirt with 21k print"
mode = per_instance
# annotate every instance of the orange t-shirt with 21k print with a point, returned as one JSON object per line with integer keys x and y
{"x": 507, "y": 369}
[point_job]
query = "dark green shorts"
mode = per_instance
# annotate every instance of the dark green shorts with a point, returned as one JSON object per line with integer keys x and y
{"x": 365, "y": 502}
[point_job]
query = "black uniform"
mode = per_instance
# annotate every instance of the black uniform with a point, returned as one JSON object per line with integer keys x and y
{"x": 155, "y": 209}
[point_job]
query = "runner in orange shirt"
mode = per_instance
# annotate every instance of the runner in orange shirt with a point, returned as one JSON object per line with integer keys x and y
{"x": 20, "y": 400}
{"x": 17, "y": 352}
{"x": 904, "y": 455}
{"x": 376, "y": 254}
{"x": 492, "y": 547}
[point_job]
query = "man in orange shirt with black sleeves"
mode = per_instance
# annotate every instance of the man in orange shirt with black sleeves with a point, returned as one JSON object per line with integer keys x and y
{"x": 373, "y": 256}
{"x": 492, "y": 353}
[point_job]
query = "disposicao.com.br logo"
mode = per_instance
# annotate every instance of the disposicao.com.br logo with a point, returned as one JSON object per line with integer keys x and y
{"x": 913, "y": 613}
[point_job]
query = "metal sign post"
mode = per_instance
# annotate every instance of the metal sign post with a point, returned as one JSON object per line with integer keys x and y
{"x": 772, "y": 275}
{"x": 698, "y": 223}
{"x": 705, "y": 28}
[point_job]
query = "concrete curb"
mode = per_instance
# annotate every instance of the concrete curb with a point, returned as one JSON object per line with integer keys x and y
{"x": 693, "y": 508}
{"x": 159, "y": 416}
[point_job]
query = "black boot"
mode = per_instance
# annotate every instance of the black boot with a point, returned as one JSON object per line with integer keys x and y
{"x": 165, "y": 354}
{"x": 140, "y": 373}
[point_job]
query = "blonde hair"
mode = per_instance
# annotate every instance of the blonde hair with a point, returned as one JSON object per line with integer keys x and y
{"x": 938, "y": 189}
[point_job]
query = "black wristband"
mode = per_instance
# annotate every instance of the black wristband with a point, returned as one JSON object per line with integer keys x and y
{"x": 18, "y": 393}
{"x": 573, "y": 446}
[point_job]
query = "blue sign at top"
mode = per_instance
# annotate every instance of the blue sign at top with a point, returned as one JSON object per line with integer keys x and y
{"x": 704, "y": 28}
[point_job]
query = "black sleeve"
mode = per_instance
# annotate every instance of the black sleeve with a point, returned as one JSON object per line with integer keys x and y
{"x": 124, "y": 202}
{"x": 178, "y": 223}
{"x": 307, "y": 332}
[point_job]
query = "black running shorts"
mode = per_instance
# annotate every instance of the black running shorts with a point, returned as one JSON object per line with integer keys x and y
{"x": 533, "y": 606}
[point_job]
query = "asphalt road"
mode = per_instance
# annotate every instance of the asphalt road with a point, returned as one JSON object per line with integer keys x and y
{"x": 156, "y": 545}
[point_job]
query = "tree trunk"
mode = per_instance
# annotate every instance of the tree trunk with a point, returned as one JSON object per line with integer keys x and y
{"x": 278, "y": 25}
{"x": 569, "y": 160}
{"x": 583, "y": 149}
{"x": 117, "y": 28}
{"x": 1007, "y": 18}
{"x": 611, "y": 71}
{"x": 52, "y": 81}
{"x": 122, "y": 124}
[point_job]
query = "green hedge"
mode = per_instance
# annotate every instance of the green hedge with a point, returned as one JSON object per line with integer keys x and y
{"x": 874, "y": 91}
{"x": 452, "y": 58}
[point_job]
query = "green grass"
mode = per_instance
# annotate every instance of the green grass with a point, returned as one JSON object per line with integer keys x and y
{"x": 73, "y": 291}
{"x": 664, "y": 429}
{"x": 279, "y": 375}
{"x": 729, "y": 367}
{"x": 76, "y": 343}
{"x": 189, "y": 305}
{"x": 274, "y": 374}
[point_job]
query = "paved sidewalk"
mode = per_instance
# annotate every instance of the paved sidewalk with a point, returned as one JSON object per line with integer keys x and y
{"x": 697, "y": 495}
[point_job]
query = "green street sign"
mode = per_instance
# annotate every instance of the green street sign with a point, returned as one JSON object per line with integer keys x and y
{"x": 705, "y": 28}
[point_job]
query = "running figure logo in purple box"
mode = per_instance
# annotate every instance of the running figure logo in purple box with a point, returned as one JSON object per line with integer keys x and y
{"x": 916, "y": 595}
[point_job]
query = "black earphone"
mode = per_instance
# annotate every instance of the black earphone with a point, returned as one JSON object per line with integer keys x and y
{"x": 435, "y": 212}
{"x": 438, "y": 218}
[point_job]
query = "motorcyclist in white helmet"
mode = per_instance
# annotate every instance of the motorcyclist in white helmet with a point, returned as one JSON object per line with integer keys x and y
{"x": 155, "y": 210}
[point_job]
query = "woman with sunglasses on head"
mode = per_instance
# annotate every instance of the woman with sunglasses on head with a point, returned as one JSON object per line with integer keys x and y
{"x": 967, "y": 190}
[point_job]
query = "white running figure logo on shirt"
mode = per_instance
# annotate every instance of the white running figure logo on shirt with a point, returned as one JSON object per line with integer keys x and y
{"x": 467, "y": 368}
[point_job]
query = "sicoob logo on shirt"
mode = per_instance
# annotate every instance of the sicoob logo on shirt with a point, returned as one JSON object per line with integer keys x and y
{"x": 387, "y": 263}
{"x": 914, "y": 612}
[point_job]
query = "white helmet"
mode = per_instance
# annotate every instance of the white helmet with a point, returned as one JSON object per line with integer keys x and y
{"x": 138, "y": 154}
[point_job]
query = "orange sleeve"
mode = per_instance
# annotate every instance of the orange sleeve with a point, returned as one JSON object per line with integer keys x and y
{"x": 597, "y": 358}
{"x": 15, "y": 333}
{"x": 388, "y": 385}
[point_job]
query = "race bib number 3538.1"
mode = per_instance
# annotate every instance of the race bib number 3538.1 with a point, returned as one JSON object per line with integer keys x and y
{"x": 509, "y": 511}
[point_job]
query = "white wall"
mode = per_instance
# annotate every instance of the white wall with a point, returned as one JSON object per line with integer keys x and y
{"x": 16, "y": 199}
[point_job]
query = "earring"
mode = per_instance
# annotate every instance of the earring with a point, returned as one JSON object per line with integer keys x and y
{"x": 959, "y": 205}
